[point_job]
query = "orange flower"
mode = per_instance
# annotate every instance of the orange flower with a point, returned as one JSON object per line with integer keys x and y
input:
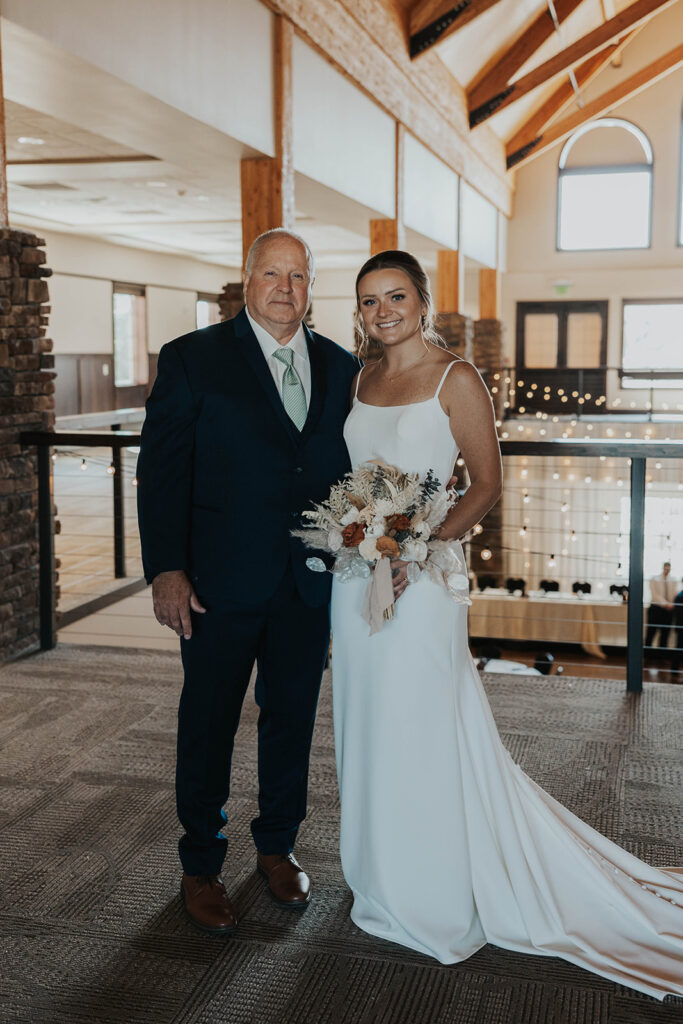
{"x": 353, "y": 534}
{"x": 397, "y": 522}
{"x": 388, "y": 547}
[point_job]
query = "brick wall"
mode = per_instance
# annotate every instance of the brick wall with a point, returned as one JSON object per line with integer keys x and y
{"x": 26, "y": 403}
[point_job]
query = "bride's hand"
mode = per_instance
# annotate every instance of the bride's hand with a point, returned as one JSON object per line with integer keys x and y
{"x": 399, "y": 578}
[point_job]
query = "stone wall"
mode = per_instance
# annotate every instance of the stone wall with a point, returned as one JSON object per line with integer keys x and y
{"x": 26, "y": 403}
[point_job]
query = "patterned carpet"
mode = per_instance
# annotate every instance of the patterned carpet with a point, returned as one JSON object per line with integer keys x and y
{"x": 91, "y": 926}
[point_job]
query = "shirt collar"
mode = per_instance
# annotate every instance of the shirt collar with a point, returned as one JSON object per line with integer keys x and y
{"x": 269, "y": 344}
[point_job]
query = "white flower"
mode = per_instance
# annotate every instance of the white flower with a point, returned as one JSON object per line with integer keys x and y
{"x": 456, "y": 581}
{"x": 384, "y": 507}
{"x": 334, "y": 540}
{"x": 414, "y": 550}
{"x": 367, "y": 549}
{"x": 422, "y": 530}
{"x": 349, "y": 517}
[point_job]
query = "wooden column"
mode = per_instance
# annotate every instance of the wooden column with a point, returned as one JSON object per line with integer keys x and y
{"x": 389, "y": 233}
{"x": 268, "y": 182}
{"x": 489, "y": 300}
{"x": 4, "y": 211}
{"x": 450, "y": 281}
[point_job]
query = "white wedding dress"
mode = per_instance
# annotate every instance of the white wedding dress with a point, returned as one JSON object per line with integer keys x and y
{"x": 445, "y": 842}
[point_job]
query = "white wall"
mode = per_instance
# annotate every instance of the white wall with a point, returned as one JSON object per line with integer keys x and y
{"x": 534, "y": 263}
{"x": 478, "y": 227}
{"x": 81, "y": 290}
{"x": 333, "y": 305}
{"x": 430, "y": 202}
{"x": 341, "y": 138}
{"x": 210, "y": 60}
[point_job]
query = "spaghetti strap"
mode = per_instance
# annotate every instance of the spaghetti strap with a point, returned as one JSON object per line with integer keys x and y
{"x": 355, "y": 397}
{"x": 445, "y": 374}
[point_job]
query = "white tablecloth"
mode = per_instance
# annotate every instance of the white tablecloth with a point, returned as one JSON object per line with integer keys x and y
{"x": 569, "y": 620}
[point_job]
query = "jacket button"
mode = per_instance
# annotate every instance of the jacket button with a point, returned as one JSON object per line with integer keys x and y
{"x": 294, "y": 515}
{"x": 299, "y": 469}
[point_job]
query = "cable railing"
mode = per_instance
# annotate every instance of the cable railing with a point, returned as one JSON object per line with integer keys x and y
{"x": 557, "y": 565}
{"x": 585, "y": 391}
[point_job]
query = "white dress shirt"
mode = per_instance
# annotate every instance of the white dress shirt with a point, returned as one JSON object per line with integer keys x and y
{"x": 663, "y": 589}
{"x": 300, "y": 362}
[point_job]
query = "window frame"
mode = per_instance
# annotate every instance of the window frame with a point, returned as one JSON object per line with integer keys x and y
{"x": 563, "y": 308}
{"x": 139, "y": 291}
{"x": 654, "y": 377}
{"x": 563, "y": 171}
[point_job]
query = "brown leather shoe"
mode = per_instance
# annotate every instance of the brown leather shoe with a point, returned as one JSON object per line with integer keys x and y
{"x": 289, "y": 884}
{"x": 207, "y": 904}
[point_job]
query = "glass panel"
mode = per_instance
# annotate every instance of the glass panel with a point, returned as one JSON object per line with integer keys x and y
{"x": 584, "y": 337}
{"x": 605, "y": 211}
{"x": 541, "y": 331}
{"x": 653, "y": 340}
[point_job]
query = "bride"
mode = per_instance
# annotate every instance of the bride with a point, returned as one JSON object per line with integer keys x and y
{"x": 445, "y": 842}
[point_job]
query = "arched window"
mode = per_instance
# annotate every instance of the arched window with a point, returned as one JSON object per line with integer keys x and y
{"x": 605, "y": 187}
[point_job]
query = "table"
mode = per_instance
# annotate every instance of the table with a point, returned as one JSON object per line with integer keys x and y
{"x": 567, "y": 620}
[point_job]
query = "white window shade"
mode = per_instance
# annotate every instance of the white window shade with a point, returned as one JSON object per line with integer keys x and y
{"x": 605, "y": 209}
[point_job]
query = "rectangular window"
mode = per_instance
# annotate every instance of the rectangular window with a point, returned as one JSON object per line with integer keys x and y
{"x": 604, "y": 209}
{"x": 652, "y": 344}
{"x": 131, "y": 363}
{"x": 207, "y": 310}
{"x": 561, "y": 354}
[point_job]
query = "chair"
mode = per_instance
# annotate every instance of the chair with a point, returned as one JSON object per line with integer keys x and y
{"x": 485, "y": 581}
{"x": 513, "y": 584}
{"x": 581, "y": 588}
{"x": 549, "y": 585}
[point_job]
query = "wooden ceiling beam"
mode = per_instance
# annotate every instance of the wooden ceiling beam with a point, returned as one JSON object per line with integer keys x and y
{"x": 515, "y": 148}
{"x": 637, "y": 14}
{"x": 487, "y": 92}
{"x": 603, "y": 104}
{"x": 434, "y": 20}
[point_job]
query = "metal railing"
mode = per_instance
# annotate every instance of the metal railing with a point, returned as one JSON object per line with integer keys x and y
{"x": 45, "y": 442}
{"x": 584, "y": 391}
{"x": 635, "y": 452}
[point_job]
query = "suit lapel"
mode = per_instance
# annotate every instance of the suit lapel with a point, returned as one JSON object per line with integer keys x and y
{"x": 253, "y": 354}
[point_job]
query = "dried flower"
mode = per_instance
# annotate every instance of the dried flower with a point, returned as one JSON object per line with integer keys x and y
{"x": 388, "y": 547}
{"x": 398, "y": 522}
{"x": 353, "y": 534}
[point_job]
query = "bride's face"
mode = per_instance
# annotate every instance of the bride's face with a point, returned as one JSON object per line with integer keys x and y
{"x": 390, "y": 306}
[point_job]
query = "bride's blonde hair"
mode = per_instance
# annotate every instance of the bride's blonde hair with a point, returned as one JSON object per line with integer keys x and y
{"x": 369, "y": 349}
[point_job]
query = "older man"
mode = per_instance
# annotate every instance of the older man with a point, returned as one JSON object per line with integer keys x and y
{"x": 243, "y": 431}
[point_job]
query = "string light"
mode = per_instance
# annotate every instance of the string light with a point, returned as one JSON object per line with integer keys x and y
{"x": 551, "y": 562}
{"x": 111, "y": 469}
{"x": 522, "y": 532}
{"x": 134, "y": 481}
{"x": 486, "y": 553}
{"x": 478, "y": 529}
{"x": 84, "y": 465}
{"x": 573, "y": 537}
{"x": 619, "y": 571}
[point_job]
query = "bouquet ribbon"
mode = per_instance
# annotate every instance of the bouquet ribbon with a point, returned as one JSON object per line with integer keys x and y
{"x": 379, "y": 597}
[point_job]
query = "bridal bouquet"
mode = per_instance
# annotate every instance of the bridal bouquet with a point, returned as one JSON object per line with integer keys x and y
{"x": 377, "y": 513}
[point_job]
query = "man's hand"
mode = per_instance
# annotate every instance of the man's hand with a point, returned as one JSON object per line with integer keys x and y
{"x": 174, "y": 597}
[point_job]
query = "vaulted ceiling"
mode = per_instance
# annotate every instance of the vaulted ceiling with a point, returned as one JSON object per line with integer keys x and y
{"x": 527, "y": 65}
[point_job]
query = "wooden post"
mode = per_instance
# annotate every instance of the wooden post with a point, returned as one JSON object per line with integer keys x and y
{"x": 389, "y": 232}
{"x": 489, "y": 304}
{"x": 268, "y": 182}
{"x": 449, "y": 280}
{"x": 4, "y": 210}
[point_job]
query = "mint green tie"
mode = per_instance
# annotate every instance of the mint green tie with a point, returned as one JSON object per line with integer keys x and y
{"x": 293, "y": 394}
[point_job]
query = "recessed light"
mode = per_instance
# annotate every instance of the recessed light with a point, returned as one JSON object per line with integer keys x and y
{"x": 156, "y": 184}
{"x": 30, "y": 140}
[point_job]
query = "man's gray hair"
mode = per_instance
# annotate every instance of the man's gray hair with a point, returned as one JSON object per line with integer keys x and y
{"x": 259, "y": 243}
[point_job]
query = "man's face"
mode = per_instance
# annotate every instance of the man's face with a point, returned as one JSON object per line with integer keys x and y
{"x": 666, "y": 569}
{"x": 278, "y": 289}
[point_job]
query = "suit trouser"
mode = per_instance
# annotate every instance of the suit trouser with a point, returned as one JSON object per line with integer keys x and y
{"x": 289, "y": 642}
{"x": 658, "y": 621}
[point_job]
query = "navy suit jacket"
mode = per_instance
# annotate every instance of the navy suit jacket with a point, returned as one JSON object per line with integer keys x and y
{"x": 223, "y": 473}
